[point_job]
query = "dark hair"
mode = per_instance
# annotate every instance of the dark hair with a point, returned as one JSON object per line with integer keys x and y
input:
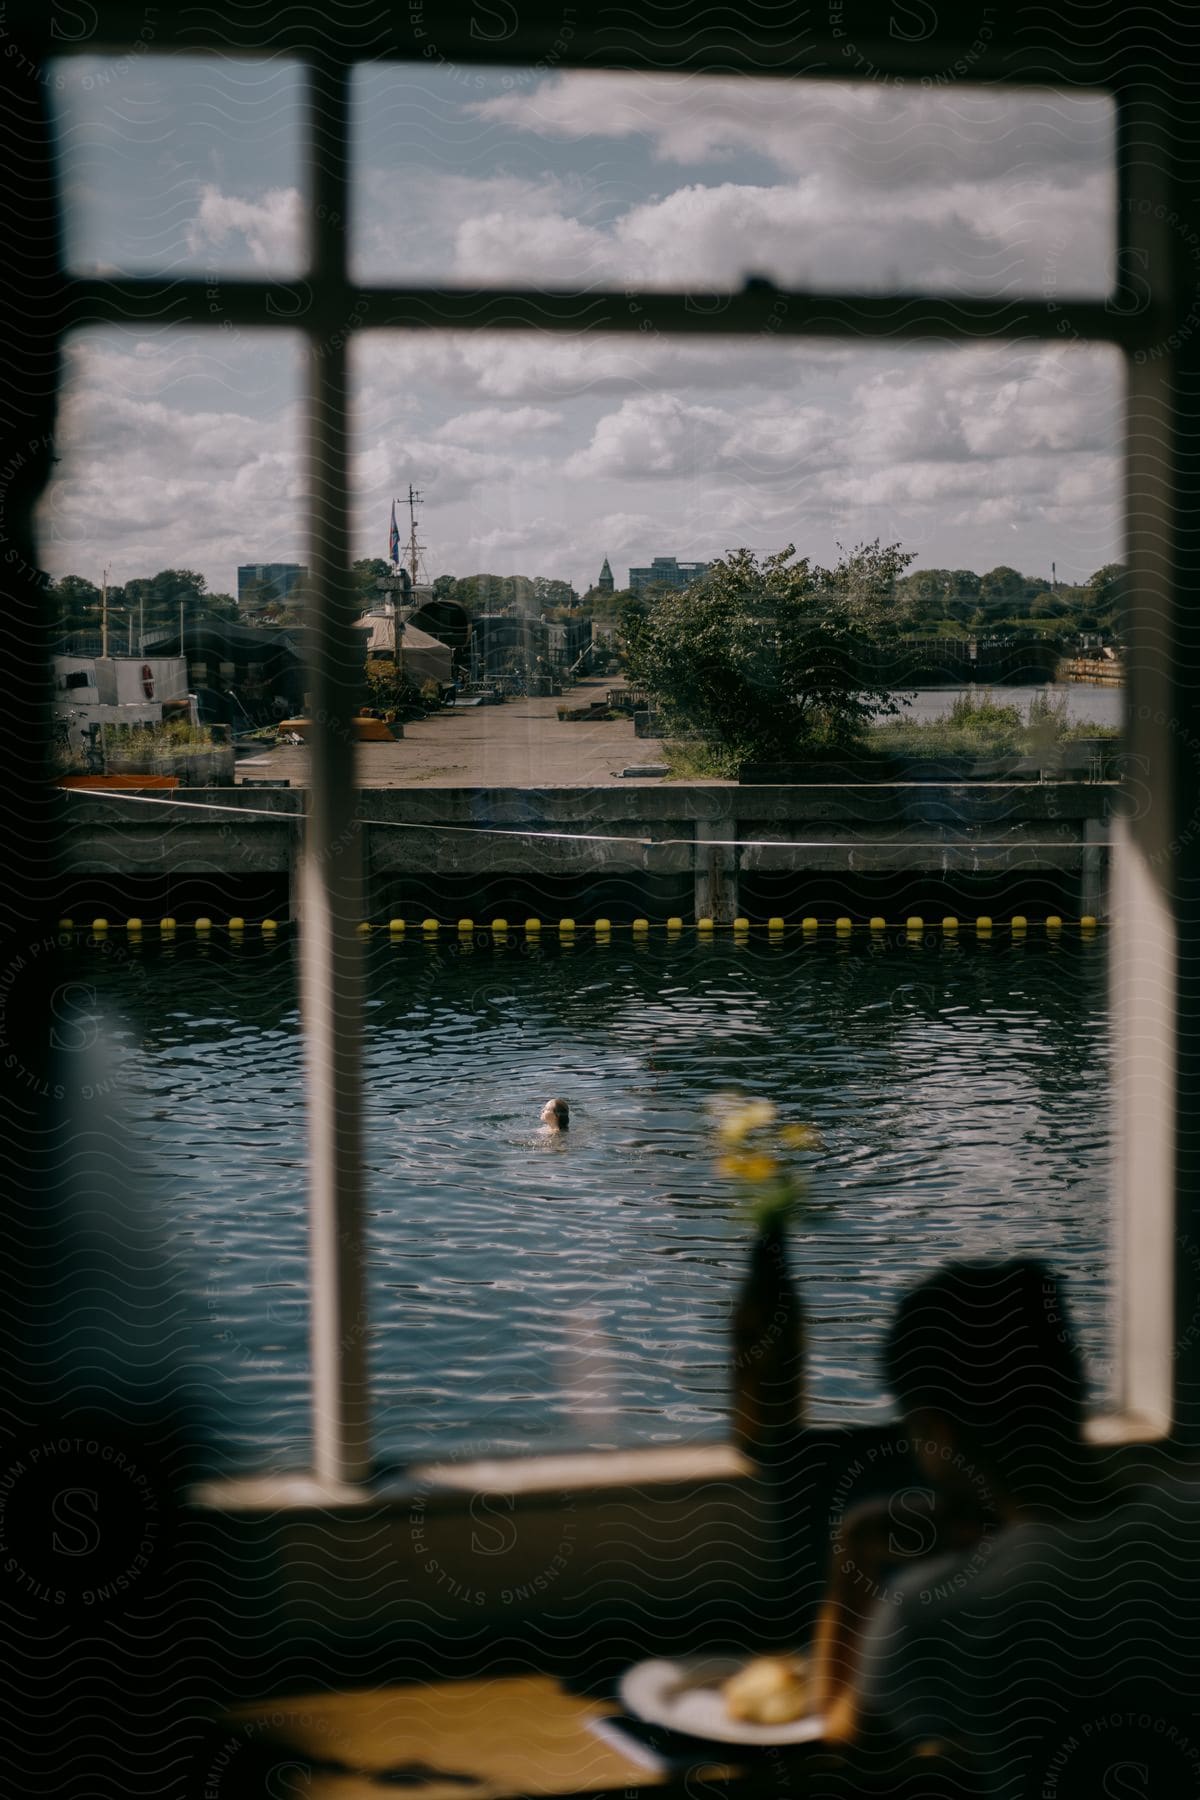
{"x": 990, "y": 1345}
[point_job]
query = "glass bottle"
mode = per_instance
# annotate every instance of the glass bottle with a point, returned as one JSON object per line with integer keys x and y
{"x": 768, "y": 1352}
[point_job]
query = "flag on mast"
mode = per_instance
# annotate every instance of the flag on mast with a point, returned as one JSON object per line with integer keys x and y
{"x": 394, "y": 540}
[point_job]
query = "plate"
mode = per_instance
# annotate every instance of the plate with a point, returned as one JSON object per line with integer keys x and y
{"x": 685, "y": 1695}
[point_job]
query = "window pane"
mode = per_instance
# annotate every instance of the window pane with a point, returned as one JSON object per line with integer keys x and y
{"x": 180, "y": 164}
{"x": 577, "y": 1291}
{"x": 604, "y": 180}
{"x": 178, "y": 464}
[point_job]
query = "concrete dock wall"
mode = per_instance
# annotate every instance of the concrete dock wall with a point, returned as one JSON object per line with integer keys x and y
{"x": 711, "y": 837}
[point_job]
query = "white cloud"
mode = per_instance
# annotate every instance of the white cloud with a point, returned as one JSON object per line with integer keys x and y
{"x": 657, "y": 435}
{"x": 980, "y": 190}
{"x": 497, "y": 425}
{"x": 887, "y": 135}
{"x": 269, "y": 227}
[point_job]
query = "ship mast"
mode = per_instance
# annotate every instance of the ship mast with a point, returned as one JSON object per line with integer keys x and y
{"x": 414, "y": 549}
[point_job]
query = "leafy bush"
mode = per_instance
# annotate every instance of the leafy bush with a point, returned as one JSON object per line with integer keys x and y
{"x": 764, "y": 656}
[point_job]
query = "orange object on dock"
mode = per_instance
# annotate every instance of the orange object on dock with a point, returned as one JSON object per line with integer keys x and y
{"x": 118, "y": 781}
{"x": 366, "y": 729}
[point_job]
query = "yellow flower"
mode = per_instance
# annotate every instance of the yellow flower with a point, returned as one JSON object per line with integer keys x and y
{"x": 749, "y": 1168}
{"x": 801, "y": 1137}
{"x": 742, "y": 1120}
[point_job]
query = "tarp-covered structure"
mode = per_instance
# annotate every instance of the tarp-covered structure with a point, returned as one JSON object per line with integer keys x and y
{"x": 425, "y": 659}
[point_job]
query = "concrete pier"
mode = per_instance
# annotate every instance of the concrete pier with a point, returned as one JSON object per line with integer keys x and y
{"x": 712, "y": 837}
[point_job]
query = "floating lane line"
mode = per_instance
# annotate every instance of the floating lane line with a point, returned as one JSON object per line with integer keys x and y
{"x": 430, "y": 928}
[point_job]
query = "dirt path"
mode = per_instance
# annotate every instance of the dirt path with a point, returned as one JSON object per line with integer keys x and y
{"x": 520, "y": 744}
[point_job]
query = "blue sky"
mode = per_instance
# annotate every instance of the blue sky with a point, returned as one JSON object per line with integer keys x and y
{"x": 543, "y": 454}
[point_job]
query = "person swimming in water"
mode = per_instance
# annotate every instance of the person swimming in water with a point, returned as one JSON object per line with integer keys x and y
{"x": 556, "y": 1115}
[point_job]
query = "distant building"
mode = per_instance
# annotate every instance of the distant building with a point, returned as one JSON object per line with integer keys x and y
{"x": 606, "y": 584}
{"x": 260, "y": 583}
{"x": 664, "y": 571}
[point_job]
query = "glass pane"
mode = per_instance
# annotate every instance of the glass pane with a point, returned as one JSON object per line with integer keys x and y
{"x": 573, "y": 1290}
{"x": 178, "y": 463}
{"x": 605, "y": 180}
{"x": 180, "y": 165}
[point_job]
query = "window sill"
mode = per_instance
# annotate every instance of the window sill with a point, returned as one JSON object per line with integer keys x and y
{"x": 446, "y": 1482}
{"x": 567, "y": 1474}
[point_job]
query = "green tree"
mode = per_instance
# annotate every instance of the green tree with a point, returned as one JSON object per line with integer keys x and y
{"x": 769, "y": 658}
{"x": 1001, "y": 595}
{"x": 74, "y": 603}
{"x": 548, "y": 592}
{"x": 1105, "y": 596}
{"x": 367, "y": 572}
{"x": 155, "y": 599}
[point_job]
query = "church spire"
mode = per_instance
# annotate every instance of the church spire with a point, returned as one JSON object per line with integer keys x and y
{"x": 606, "y": 583}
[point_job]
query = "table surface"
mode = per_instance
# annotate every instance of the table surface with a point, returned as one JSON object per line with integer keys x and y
{"x": 449, "y": 1740}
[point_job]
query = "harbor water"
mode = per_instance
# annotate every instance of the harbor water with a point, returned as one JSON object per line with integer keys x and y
{"x": 1084, "y": 703}
{"x": 575, "y": 1292}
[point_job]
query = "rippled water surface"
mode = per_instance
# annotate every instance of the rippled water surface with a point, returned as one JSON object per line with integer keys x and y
{"x": 576, "y": 1293}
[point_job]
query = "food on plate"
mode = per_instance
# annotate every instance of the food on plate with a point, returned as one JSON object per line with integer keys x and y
{"x": 770, "y": 1690}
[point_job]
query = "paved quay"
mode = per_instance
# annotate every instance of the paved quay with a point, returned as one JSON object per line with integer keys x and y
{"x": 522, "y": 744}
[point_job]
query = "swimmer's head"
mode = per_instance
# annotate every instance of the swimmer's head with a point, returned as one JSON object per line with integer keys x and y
{"x": 556, "y": 1115}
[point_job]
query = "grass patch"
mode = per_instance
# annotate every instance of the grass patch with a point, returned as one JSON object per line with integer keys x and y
{"x": 172, "y": 738}
{"x": 985, "y": 727}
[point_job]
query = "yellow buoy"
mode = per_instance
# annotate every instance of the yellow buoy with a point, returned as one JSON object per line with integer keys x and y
{"x": 775, "y": 925}
{"x": 499, "y": 925}
{"x": 99, "y": 924}
{"x": 844, "y": 924}
{"x": 741, "y": 924}
{"x": 466, "y": 926}
{"x": 270, "y": 924}
{"x": 809, "y": 923}
{"x": 1089, "y": 922}
{"x": 983, "y": 923}
{"x": 1054, "y": 923}
{"x": 915, "y": 922}
{"x": 533, "y": 924}
{"x": 203, "y": 924}
{"x": 1020, "y": 922}
{"x": 566, "y": 924}
{"x": 674, "y": 924}
{"x": 430, "y": 925}
{"x": 603, "y": 924}
{"x": 133, "y": 924}
{"x": 878, "y": 923}
{"x": 364, "y": 925}
{"x": 66, "y": 924}
{"x": 396, "y": 925}
{"x": 949, "y": 923}
{"x": 641, "y": 925}
{"x": 234, "y": 924}
{"x": 704, "y": 924}
{"x": 166, "y": 924}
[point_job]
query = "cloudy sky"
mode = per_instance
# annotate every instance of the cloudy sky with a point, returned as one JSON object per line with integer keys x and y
{"x": 541, "y": 455}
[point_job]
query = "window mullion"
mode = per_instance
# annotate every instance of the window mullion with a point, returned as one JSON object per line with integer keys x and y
{"x": 331, "y": 883}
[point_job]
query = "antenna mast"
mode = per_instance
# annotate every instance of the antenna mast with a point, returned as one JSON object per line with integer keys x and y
{"x": 414, "y": 549}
